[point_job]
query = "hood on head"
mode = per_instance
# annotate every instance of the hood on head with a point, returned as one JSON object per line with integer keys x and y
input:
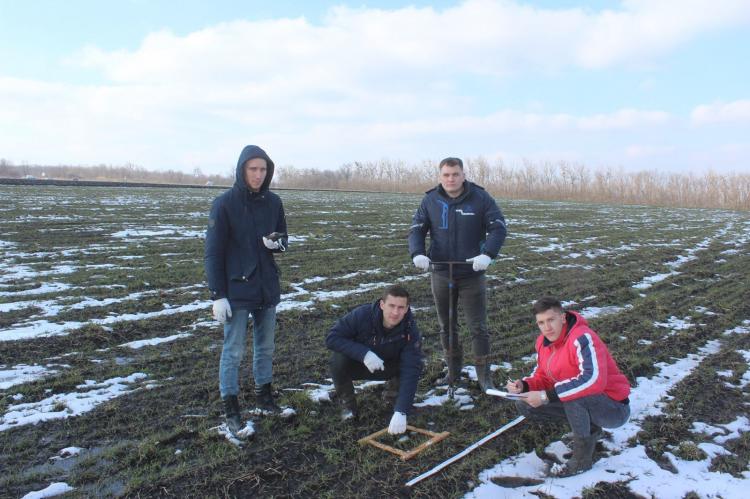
{"x": 250, "y": 152}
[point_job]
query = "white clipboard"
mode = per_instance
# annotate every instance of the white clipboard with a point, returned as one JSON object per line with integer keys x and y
{"x": 506, "y": 395}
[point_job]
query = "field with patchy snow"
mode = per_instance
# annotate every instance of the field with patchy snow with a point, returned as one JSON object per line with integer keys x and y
{"x": 109, "y": 357}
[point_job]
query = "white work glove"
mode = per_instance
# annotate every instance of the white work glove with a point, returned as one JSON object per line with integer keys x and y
{"x": 481, "y": 262}
{"x": 373, "y": 362}
{"x": 421, "y": 262}
{"x": 222, "y": 310}
{"x": 272, "y": 245}
{"x": 398, "y": 423}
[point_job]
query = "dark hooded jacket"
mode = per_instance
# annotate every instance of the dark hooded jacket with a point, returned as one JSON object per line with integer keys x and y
{"x": 459, "y": 228}
{"x": 361, "y": 330}
{"x": 238, "y": 265}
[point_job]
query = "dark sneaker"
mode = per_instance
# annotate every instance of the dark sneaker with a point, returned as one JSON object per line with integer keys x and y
{"x": 264, "y": 399}
{"x": 232, "y": 414}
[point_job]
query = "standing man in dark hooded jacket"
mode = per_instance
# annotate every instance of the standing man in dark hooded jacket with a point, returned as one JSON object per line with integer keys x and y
{"x": 246, "y": 226}
{"x": 465, "y": 225}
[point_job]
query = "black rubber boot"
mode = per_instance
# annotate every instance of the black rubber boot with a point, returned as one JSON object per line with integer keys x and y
{"x": 484, "y": 374}
{"x": 264, "y": 399}
{"x": 455, "y": 365}
{"x": 232, "y": 414}
{"x": 347, "y": 402}
{"x": 582, "y": 458}
{"x": 390, "y": 392}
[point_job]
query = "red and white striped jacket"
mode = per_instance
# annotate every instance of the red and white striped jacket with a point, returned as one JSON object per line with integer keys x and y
{"x": 577, "y": 364}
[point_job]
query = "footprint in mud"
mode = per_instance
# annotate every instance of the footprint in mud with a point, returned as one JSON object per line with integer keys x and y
{"x": 515, "y": 481}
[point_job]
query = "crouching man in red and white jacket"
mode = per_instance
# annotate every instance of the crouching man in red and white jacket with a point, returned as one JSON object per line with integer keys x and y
{"x": 575, "y": 378}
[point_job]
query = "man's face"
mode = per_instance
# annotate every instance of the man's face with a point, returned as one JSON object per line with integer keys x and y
{"x": 394, "y": 309}
{"x": 452, "y": 179}
{"x": 551, "y": 323}
{"x": 255, "y": 173}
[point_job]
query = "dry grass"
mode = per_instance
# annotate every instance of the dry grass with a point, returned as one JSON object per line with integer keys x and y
{"x": 548, "y": 181}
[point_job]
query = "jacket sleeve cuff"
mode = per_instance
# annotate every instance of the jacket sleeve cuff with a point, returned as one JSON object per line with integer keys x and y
{"x": 217, "y": 295}
{"x": 525, "y": 386}
{"x": 552, "y": 395}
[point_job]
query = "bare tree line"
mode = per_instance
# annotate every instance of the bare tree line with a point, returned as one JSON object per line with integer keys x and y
{"x": 553, "y": 181}
{"x": 124, "y": 173}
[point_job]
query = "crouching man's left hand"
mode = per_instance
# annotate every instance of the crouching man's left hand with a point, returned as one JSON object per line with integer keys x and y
{"x": 537, "y": 398}
{"x": 398, "y": 423}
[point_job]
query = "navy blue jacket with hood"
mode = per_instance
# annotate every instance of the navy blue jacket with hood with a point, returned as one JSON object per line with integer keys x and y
{"x": 238, "y": 265}
{"x": 361, "y": 330}
{"x": 459, "y": 228}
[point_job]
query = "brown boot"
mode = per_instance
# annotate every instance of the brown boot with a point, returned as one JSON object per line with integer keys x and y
{"x": 455, "y": 365}
{"x": 390, "y": 392}
{"x": 347, "y": 402}
{"x": 484, "y": 374}
{"x": 582, "y": 458}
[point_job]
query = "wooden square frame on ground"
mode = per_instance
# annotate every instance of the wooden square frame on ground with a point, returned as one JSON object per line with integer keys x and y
{"x": 405, "y": 455}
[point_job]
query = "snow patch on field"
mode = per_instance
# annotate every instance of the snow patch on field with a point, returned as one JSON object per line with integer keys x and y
{"x": 154, "y": 341}
{"x": 593, "y": 312}
{"x": 65, "y": 405}
{"x": 23, "y": 373}
{"x": 53, "y": 489}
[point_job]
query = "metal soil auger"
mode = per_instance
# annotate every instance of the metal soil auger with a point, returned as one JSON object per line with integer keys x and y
{"x": 451, "y": 313}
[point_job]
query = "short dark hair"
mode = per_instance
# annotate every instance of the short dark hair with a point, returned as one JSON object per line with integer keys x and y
{"x": 451, "y": 162}
{"x": 545, "y": 303}
{"x": 396, "y": 290}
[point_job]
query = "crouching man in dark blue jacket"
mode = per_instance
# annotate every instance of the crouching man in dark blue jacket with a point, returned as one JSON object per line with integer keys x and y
{"x": 378, "y": 341}
{"x": 245, "y": 228}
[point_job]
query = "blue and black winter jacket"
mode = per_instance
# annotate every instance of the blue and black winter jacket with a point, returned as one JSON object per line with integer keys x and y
{"x": 361, "y": 330}
{"x": 459, "y": 228}
{"x": 238, "y": 265}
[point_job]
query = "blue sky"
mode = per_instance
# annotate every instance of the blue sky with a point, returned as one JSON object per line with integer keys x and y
{"x": 637, "y": 84}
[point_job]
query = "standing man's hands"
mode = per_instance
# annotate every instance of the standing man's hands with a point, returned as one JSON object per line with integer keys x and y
{"x": 222, "y": 311}
{"x": 373, "y": 362}
{"x": 398, "y": 423}
{"x": 422, "y": 262}
{"x": 480, "y": 262}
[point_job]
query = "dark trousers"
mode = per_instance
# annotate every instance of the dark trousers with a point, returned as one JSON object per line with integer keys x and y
{"x": 580, "y": 413}
{"x": 344, "y": 370}
{"x": 471, "y": 293}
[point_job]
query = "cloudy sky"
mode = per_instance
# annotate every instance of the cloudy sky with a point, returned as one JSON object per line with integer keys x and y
{"x": 638, "y": 84}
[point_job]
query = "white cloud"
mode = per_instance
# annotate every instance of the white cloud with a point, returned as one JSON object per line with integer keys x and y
{"x": 731, "y": 112}
{"x": 648, "y": 151}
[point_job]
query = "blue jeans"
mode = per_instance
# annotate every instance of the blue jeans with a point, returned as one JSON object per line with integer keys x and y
{"x": 580, "y": 413}
{"x": 235, "y": 341}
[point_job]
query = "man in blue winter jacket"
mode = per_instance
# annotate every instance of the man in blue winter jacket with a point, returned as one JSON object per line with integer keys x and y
{"x": 378, "y": 341}
{"x": 465, "y": 225}
{"x": 246, "y": 226}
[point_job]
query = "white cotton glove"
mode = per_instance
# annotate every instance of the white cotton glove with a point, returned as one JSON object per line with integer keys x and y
{"x": 222, "y": 310}
{"x": 373, "y": 362}
{"x": 421, "y": 262}
{"x": 398, "y": 423}
{"x": 272, "y": 245}
{"x": 481, "y": 262}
